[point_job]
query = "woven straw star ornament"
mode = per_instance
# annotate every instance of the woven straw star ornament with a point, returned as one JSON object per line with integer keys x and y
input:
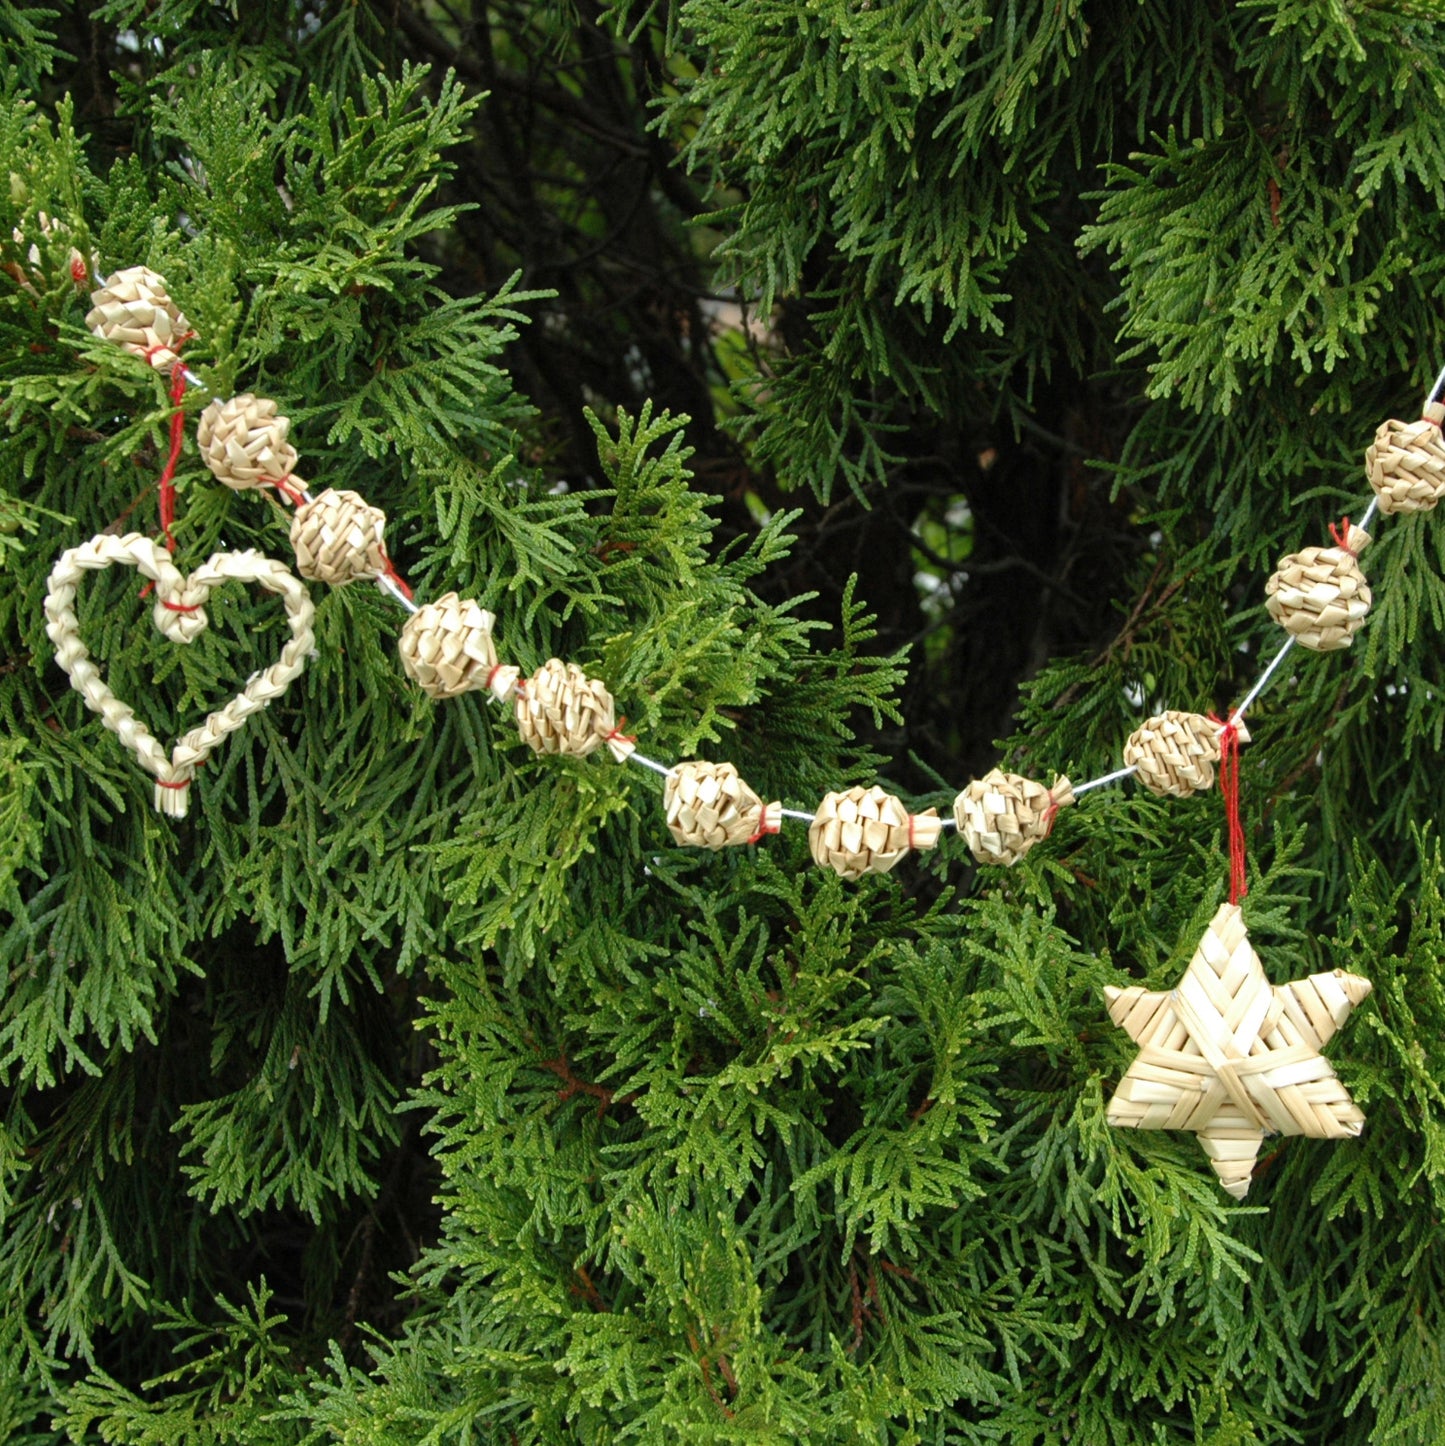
{"x": 1234, "y": 1058}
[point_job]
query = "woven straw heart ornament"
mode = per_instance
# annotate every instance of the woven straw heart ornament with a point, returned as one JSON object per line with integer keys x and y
{"x": 180, "y": 615}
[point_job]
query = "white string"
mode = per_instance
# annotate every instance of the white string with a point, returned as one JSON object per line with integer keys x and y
{"x": 652, "y": 763}
{"x": 1113, "y": 777}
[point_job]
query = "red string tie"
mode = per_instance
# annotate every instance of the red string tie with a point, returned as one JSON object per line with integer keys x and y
{"x": 290, "y": 493}
{"x": 1051, "y": 813}
{"x": 765, "y": 827}
{"x": 1341, "y": 535}
{"x": 184, "y": 783}
{"x": 391, "y": 572}
{"x": 174, "y": 345}
{"x": 1229, "y": 787}
{"x": 176, "y": 607}
{"x": 618, "y": 733}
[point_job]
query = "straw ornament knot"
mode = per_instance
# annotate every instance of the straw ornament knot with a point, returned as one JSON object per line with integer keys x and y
{"x": 1231, "y": 1057}
{"x": 446, "y": 646}
{"x": 1003, "y": 815}
{"x": 1320, "y": 596}
{"x": 338, "y": 538}
{"x": 1406, "y": 465}
{"x": 708, "y": 806}
{"x": 243, "y": 442}
{"x": 866, "y": 831}
{"x": 561, "y": 710}
{"x": 1173, "y": 754}
{"x": 134, "y": 310}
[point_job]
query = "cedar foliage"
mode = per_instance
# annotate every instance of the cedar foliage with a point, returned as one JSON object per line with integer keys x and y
{"x": 418, "y": 1089}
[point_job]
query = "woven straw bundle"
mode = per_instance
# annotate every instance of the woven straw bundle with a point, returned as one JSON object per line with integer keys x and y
{"x": 134, "y": 310}
{"x": 338, "y": 538}
{"x": 1173, "y": 754}
{"x": 1406, "y": 465}
{"x": 866, "y": 831}
{"x": 561, "y": 710}
{"x": 1002, "y": 815}
{"x": 710, "y": 807}
{"x": 1233, "y": 1058}
{"x": 1319, "y": 596}
{"x": 243, "y": 442}
{"x": 446, "y": 646}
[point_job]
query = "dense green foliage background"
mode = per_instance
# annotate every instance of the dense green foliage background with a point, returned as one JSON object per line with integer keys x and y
{"x": 862, "y": 390}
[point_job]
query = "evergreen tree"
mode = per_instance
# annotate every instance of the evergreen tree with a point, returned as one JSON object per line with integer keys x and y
{"x": 417, "y": 1088}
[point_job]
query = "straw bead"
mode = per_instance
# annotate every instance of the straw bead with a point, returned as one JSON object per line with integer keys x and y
{"x": 866, "y": 831}
{"x": 1406, "y": 465}
{"x": 338, "y": 538}
{"x": 446, "y": 646}
{"x": 1319, "y": 596}
{"x": 1003, "y": 815}
{"x": 561, "y": 710}
{"x": 243, "y": 442}
{"x": 710, "y": 807}
{"x": 134, "y": 310}
{"x": 1174, "y": 753}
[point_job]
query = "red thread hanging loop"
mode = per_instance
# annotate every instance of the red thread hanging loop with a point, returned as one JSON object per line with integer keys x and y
{"x": 166, "y": 486}
{"x": 1341, "y": 535}
{"x": 1229, "y": 787}
{"x": 765, "y": 827}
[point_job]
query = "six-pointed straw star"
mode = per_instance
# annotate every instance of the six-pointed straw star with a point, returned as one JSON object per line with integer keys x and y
{"x": 1234, "y": 1058}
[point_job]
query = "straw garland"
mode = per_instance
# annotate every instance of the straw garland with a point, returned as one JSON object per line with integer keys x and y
{"x": 1225, "y": 1054}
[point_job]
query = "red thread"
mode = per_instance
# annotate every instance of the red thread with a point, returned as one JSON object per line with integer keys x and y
{"x": 492, "y": 673}
{"x": 184, "y": 783}
{"x": 290, "y": 493}
{"x": 764, "y": 827}
{"x": 79, "y": 273}
{"x": 173, "y": 346}
{"x": 1050, "y": 814}
{"x": 1229, "y": 787}
{"x": 391, "y": 572}
{"x": 618, "y": 733}
{"x": 165, "y": 486}
{"x": 1341, "y": 535}
{"x": 175, "y": 607}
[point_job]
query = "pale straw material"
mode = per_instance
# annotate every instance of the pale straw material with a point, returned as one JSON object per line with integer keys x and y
{"x": 1173, "y": 754}
{"x": 710, "y": 807}
{"x": 243, "y": 442}
{"x": 1406, "y": 465}
{"x": 338, "y": 537}
{"x": 1233, "y": 1058}
{"x": 134, "y": 310}
{"x": 56, "y": 234}
{"x": 174, "y": 770}
{"x": 561, "y": 710}
{"x": 1003, "y": 815}
{"x": 1319, "y": 596}
{"x": 866, "y": 831}
{"x": 446, "y": 647}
